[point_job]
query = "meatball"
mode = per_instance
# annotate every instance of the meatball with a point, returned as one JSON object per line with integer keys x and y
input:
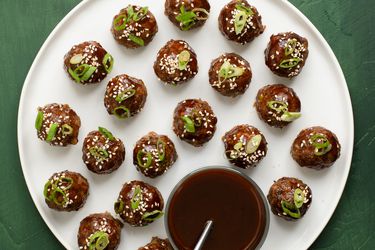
{"x": 289, "y": 198}
{"x": 154, "y": 154}
{"x": 134, "y": 26}
{"x": 230, "y": 74}
{"x": 187, "y": 14}
{"x": 176, "y": 62}
{"x": 102, "y": 152}
{"x": 157, "y": 244}
{"x": 66, "y": 191}
{"x": 194, "y": 122}
{"x": 57, "y": 124}
{"x": 139, "y": 203}
{"x": 88, "y": 63}
{"x": 286, "y": 54}
{"x": 125, "y": 96}
{"x": 240, "y": 22}
{"x": 244, "y": 146}
{"x": 316, "y": 148}
{"x": 277, "y": 105}
{"x": 99, "y": 231}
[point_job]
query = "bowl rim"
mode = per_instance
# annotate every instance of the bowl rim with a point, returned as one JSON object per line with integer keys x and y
{"x": 229, "y": 169}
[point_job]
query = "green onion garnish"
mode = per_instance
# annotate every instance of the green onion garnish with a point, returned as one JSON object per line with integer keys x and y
{"x": 52, "y": 131}
{"x": 140, "y": 14}
{"x": 253, "y": 144}
{"x": 290, "y": 116}
{"x": 137, "y": 198}
{"x": 136, "y": 40}
{"x": 299, "y": 197}
{"x": 290, "y": 210}
{"x": 99, "y": 154}
{"x": 119, "y": 23}
{"x": 127, "y": 93}
{"x": 278, "y": 106}
{"x": 106, "y": 133}
{"x": 238, "y": 146}
{"x": 55, "y": 190}
{"x": 290, "y": 46}
{"x": 241, "y": 18}
{"x": 289, "y": 63}
{"x": 321, "y": 144}
{"x": 47, "y": 186}
{"x": 161, "y": 149}
{"x": 98, "y": 241}
{"x": 140, "y": 158}
{"x": 58, "y": 192}
{"x": 119, "y": 207}
{"x": 39, "y": 120}
{"x": 228, "y": 70}
{"x": 183, "y": 59}
{"x": 76, "y": 59}
{"x": 152, "y": 216}
{"x": 108, "y": 62}
{"x": 121, "y": 112}
{"x": 66, "y": 129}
{"x": 188, "y": 18}
{"x": 188, "y": 124}
{"x": 82, "y": 73}
{"x": 65, "y": 183}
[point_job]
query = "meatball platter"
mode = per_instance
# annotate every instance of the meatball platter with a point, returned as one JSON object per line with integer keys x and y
{"x": 106, "y": 132}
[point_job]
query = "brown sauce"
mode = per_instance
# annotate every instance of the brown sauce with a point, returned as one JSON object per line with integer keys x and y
{"x": 227, "y": 198}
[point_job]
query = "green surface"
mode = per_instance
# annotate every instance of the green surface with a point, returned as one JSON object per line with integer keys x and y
{"x": 348, "y": 26}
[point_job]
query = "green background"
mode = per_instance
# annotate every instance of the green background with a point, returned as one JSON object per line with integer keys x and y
{"x": 347, "y": 25}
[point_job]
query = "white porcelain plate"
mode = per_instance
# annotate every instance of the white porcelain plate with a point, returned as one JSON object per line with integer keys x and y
{"x": 321, "y": 87}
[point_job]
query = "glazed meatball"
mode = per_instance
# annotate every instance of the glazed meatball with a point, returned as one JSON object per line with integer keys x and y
{"x": 134, "y": 26}
{"x": 176, "y": 63}
{"x": 194, "y": 122}
{"x": 244, "y": 146}
{"x": 57, "y": 124}
{"x": 277, "y": 105}
{"x": 240, "y": 22}
{"x": 99, "y": 231}
{"x": 187, "y": 14}
{"x": 139, "y": 203}
{"x": 316, "y": 148}
{"x": 286, "y": 54}
{"x": 88, "y": 63}
{"x": 157, "y": 244}
{"x": 230, "y": 74}
{"x": 102, "y": 152}
{"x": 125, "y": 96}
{"x": 154, "y": 154}
{"x": 66, "y": 191}
{"x": 289, "y": 198}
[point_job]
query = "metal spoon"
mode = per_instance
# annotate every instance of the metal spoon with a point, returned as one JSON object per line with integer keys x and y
{"x": 204, "y": 235}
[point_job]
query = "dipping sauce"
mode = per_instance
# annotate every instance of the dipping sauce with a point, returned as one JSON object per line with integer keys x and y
{"x": 226, "y": 196}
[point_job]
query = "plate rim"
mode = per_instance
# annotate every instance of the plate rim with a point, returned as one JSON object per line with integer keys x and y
{"x": 288, "y": 5}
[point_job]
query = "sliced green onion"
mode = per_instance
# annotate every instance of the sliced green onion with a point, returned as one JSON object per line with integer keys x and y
{"x": 322, "y": 151}
{"x": 108, "y": 62}
{"x": 82, "y": 73}
{"x": 188, "y": 124}
{"x": 65, "y": 180}
{"x": 55, "y": 197}
{"x": 52, "y": 131}
{"x": 47, "y": 186}
{"x": 140, "y": 14}
{"x": 238, "y": 146}
{"x": 278, "y": 106}
{"x": 183, "y": 59}
{"x": 99, "y": 154}
{"x": 290, "y": 210}
{"x": 137, "y": 198}
{"x": 152, "y": 216}
{"x": 66, "y": 129}
{"x": 106, "y": 133}
{"x": 241, "y": 18}
{"x": 119, "y": 207}
{"x": 126, "y": 94}
{"x": 244, "y": 8}
{"x": 119, "y": 23}
{"x": 289, "y": 63}
{"x": 39, "y": 120}
{"x": 76, "y": 59}
{"x": 140, "y": 156}
{"x": 136, "y": 40}
{"x": 253, "y": 144}
{"x": 299, "y": 197}
{"x": 98, "y": 241}
{"x": 186, "y": 18}
{"x": 130, "y": 12}
{"x": 88, "y": 73}
{"x": 290, "y": 116}
{"x": 161, "y": 149}
{"x": 199, "y": 16}
{"x": 121, "y": 112}
{"x": 227, "y": 70}
{"x": 290, "y": 46}
{"x": 321, "y": 144}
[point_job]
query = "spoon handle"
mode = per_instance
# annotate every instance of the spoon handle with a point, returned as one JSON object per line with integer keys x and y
{"x": 204, "y": 235}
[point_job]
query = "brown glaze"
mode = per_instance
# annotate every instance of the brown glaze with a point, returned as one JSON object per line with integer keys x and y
{"x": 120, "y": 86}
{"x": 144, "y": 27}
{"x": 157, "y": 244}
{"x": 150, "y": 200}
{"x": 253, "y": 28}
{"x": 279, "y": 93}
{"x": 283, "y": 190}
{"x": 232, "y": 86}
{"x": 113, "y": 157}
{"x": 76, "y": 191}
{"x": 166, "y": 64}
{"x": 303, "y": 151}
{"x": 276, "y": 53}
{"x": 92, "y": 54}
{"x": 233, "y": 203}
{"x": 162, "y": 151}
{"x": 100, "y": 222}
{"x": 241, "y": 157}
{"x": 200, "y": 112}
{"x": 62, "y": 115}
